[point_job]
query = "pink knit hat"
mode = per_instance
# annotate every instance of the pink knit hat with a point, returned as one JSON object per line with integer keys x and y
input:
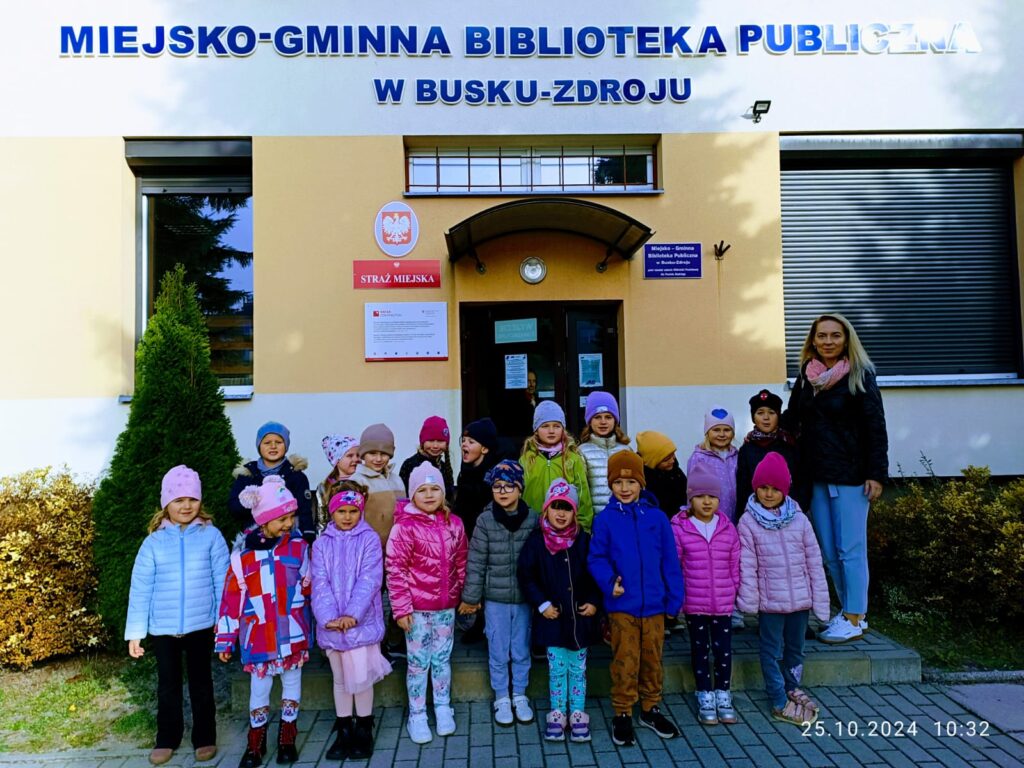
{"x": 773, "y": 471}
{"x": 347, "y": 498}
{"x": 561, "y": 490}
{"x": 180, "y": 482}
{"x": 435, "y": 428}
{"x": 425, "y": 474}
{"x": 268, "y": 501}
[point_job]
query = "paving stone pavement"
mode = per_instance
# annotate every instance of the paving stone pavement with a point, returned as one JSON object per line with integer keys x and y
{"x": 906, "y": 725}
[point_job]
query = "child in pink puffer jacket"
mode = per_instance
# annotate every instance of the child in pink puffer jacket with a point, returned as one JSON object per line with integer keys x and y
{"x": 709, "y": 552}
{"x": 426, "y": 568}
{"x": 782, "y": 578}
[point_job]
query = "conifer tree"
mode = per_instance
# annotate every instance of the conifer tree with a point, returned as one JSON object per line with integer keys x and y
{"x": 177, "y": 417}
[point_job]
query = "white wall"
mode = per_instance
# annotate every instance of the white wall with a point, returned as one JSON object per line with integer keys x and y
{"x": 267, "y": 93}
{"x": 953, "y": 427}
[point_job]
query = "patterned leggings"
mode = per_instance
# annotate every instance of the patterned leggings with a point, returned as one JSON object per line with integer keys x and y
{"x": 429, "y": 649}
{"x": 567, "y": 679}
{"x": 717, "y": 630}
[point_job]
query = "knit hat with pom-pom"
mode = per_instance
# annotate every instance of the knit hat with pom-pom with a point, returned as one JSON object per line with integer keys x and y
{"x": 268, "y": 501}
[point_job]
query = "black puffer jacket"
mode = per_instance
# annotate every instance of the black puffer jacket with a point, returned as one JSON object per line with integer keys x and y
{"x": 295, "y": 480}
{"x": 841, "y": 437}
{"x": 472, "y": 493}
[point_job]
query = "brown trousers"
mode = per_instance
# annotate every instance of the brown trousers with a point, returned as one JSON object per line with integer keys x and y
{"x": 636, "y": 661}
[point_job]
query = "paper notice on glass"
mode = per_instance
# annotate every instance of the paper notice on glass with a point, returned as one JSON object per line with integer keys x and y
{"x": 591, "y": 373}
{"x": 415, "y": 330}
{"x": 515, "y": 371}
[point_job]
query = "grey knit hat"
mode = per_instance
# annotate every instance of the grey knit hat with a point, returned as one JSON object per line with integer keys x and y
{"x": 548, "y": 410}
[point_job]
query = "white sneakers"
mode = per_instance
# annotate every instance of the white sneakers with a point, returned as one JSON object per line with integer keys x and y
{"x": 445, "y": 717}
{"x": 840, "y": 630}
{"x": 507, "y": 711}
{"x": 521, "y": 704}
{"x": 419, "y": 729}
{"x": 707, "y": 712}
{"x": 723, "y": 704}
{"x": 503, "y": 712}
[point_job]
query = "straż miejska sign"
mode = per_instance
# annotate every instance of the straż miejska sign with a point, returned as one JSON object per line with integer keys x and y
{"x": 424, "y": 273}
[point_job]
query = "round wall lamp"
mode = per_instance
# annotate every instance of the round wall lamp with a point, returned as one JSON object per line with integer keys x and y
{"x": 533, "y": 270}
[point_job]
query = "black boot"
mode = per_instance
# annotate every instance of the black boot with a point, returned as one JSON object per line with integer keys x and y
{"x": 341, "y": 749}
{"x": 286, "y": 752}
{"x": 362, "y": 740}
{"x": 255, "y": 748}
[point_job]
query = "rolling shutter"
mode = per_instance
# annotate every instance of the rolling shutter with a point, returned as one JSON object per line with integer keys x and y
{"x": 922, "y": 260}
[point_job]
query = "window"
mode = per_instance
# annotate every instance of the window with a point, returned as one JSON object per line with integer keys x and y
{"x": 202, "y": 220}
{"x": 919, "y": 253}
{"x": 521, "y": 169}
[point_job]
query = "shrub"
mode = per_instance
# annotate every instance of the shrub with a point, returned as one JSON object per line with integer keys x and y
{"x": 47, "y": 577}
{"x": 177, "y": 417}
{"x": 953, "y": 546}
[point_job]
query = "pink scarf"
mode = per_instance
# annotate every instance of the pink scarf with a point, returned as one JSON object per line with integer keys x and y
{"x": 822, "y": 378}
{"x": 554, "y": 540}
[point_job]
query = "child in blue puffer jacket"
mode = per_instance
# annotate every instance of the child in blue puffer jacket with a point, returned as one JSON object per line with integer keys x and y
{"x": 633, "y": 561}
{"x": 175, "y": 590}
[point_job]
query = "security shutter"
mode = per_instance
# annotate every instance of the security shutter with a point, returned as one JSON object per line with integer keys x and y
{"x": 922, "y": 260}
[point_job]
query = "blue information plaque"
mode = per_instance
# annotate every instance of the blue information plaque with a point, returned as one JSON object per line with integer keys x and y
{"x": 672, "y": 260}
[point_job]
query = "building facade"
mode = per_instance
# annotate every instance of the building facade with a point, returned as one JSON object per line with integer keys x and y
{"x": 683, "y": 237}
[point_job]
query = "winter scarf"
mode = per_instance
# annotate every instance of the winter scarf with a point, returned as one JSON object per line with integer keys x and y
{"x": 768, "y": 519}
{"x": 822, "y": 378}
{"x": 512, "y": 522}
{"x": 554, "y": 540}
{"x": 767, "y": 439}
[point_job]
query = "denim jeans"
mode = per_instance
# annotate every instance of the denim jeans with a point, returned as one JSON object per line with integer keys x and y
{"x": 840, "y": 517}
{"x": 782, "y": 653}
{"x": 507, "y": 626}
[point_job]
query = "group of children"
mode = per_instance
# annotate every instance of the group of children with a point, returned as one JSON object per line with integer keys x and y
{"x": 554, "y": 549}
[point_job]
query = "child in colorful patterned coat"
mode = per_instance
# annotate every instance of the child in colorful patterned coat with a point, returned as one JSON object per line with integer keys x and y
{"x": 265, "y": 610}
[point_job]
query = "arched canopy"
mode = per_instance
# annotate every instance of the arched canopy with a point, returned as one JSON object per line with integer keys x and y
{"x": 620, "y": 233}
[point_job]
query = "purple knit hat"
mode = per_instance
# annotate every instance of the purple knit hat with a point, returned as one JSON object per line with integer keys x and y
{"x": 547, "y": 410}
{"x": 180, "y": 482}
{"x": 425, "y": 474}
{"x": 268, "y": 501}
{"x": 601, "y": 402}
{"x": 773, "y": 471}
{"x": 703, "y": 482}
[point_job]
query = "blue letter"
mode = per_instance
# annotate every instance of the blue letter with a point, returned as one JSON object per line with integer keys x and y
{"x": 74, "y": 45}
{"x": 389, "y": 91}
{"x": 748, "y": 35}
{"x": 711, "y": 41}
{"x": 478, "y": 41}
{"x": 808, "y": 38}
{"x": 125, "y": 43}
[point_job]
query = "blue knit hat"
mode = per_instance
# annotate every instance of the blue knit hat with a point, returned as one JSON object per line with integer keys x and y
{"x": 547, "y": 410}
{"x": 507, "y": 471}
{"x": 273, "y": 428}
{"x": 601, "y": 402}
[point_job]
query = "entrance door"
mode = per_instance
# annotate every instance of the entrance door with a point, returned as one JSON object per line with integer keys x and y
{"x": 517, "y": 354}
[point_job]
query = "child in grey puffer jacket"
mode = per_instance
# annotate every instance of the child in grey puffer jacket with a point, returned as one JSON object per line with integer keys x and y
{"x": 501, "y": 531}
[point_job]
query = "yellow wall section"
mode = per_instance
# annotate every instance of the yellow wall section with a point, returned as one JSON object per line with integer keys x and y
{"x": 67, "y": 243}
{"x": 316, "y": 198}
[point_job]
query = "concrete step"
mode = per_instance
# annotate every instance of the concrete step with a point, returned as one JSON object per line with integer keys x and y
{"x": 873, "y": 659}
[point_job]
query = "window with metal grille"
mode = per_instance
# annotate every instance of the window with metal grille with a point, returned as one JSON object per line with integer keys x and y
{"x": 441, "y": 170}
{"x": 919, "y": 255}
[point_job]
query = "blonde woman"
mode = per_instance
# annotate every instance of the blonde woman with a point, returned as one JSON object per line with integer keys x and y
{"x": 836, "y": 410}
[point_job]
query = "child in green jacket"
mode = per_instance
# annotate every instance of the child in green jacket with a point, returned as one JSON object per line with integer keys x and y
{"x": 550, "y": 452}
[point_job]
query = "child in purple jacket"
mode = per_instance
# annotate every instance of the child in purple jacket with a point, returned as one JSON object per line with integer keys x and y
{"x": 709, "y": 553}
{"x": 348, "y": 570}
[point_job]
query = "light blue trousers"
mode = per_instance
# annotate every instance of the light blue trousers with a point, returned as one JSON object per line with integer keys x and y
{"x": 507, "y": 626}
{"x": 840, "y": 517}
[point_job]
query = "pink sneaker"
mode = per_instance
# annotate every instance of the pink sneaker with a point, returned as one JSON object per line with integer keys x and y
{"x": 579, "y": 726}
{"x": 555, "y": 730}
